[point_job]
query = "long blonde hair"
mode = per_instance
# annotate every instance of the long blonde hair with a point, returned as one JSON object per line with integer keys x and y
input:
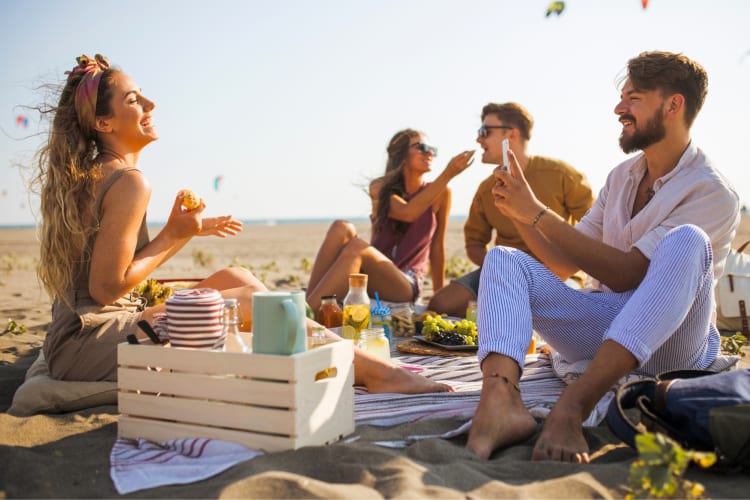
{"x": 65, "y": 175}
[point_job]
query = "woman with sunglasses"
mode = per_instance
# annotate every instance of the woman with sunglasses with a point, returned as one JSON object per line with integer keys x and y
{"x": 95, "y": 246}
{"x": 409, "y": 219}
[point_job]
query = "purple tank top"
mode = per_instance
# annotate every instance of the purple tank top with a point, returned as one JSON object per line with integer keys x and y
{"x": 410, "y": 250}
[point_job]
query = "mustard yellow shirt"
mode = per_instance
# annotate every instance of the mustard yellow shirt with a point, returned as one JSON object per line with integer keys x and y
{"x": 554, "y": 182}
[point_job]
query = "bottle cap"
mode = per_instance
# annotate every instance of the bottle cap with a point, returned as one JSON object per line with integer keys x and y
{"x": 332, "y": 296}
{"x": 359, "y": 280}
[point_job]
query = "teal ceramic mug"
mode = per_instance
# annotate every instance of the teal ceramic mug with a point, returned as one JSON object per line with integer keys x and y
{"x": 279, "y": 322}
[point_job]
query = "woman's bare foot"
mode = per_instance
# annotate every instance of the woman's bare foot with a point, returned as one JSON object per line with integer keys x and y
{"x": 501, "y": 418}
{"x": 562, "y": 437}
{"x": 379, "y": 376}
{"x": 397, "y": 379}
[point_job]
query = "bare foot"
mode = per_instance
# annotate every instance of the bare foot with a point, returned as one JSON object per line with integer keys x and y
{"x": 501, "y": 418}
{"x": 396, "y": 379}
{"x": 562, "y": 438}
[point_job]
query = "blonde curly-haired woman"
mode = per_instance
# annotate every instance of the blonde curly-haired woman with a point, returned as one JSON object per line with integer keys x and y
{"x": 95, "y": 246}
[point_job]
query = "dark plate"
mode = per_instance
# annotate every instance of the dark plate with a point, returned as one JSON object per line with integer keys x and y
{"x": 448, "y": 347}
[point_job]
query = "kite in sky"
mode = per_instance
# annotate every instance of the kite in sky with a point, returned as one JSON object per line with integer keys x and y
{"x": 644, "y": 3}
{"x": 218, "y": 180}
{"x": 555, "y": 8}
{"x": 22, "y": 121}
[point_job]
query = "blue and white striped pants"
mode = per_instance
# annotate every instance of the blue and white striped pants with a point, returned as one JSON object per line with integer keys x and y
{"x": 665, "y": 322}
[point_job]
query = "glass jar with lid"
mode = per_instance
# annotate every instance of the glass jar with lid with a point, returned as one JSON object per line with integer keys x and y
{"x": 329, "y": 312}
{"x": 373, "y": 340}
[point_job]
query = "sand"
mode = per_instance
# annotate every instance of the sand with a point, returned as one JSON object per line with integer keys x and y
{"x": 68, "y": 455}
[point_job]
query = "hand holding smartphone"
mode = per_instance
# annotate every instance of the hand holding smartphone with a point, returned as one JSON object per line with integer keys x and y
{"x": 506, "y": 146}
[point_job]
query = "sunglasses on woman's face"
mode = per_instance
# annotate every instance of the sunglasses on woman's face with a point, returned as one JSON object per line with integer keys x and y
{"x": 425, "y": 148}
{"x": 484, "y": 130}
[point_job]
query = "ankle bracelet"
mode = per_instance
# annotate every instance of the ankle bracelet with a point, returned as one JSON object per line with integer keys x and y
{"x": 504, "y": 379}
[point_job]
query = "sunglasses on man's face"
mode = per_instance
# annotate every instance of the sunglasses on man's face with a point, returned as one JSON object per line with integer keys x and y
{"x": 425, "y": 148}
{"x": 484, "y": 130}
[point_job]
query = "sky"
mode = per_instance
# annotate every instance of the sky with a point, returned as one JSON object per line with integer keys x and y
{"x": 292, "y": 102}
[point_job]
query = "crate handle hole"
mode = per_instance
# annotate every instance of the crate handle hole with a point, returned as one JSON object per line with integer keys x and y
{"x": 327, "y": 373}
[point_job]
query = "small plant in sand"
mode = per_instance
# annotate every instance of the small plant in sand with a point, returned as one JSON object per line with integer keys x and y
{"x": 291, "y": 280}
{"x": 458, "y": 266}
{"x": 11, "y": 263}
{"x": 202, "y": 259}
{"x": 305, "y": 265}
{"x": 733, "y": 344}
{"x": 14, "y": 328}
{"x": 271, "y": 266}
{"x": 657, "y": 473}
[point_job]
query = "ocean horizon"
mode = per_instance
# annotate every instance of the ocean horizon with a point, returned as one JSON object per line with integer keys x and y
{"x": 260, "y": 221}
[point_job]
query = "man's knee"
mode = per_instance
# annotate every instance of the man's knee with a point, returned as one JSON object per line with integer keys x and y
{"x": 687, "y": 239}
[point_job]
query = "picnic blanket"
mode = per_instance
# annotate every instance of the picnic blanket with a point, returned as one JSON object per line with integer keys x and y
{"x": 136, "y": 464}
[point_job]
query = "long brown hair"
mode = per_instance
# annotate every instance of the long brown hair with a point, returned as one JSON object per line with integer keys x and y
{"x": 393, "y": 179}
{"x": 65, "y": 175}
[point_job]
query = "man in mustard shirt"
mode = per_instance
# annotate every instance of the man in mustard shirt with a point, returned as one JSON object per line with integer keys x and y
{"x": 557, "y": 184}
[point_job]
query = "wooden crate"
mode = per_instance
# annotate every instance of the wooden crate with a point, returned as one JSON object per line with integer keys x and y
{"x": 266, "y": 402}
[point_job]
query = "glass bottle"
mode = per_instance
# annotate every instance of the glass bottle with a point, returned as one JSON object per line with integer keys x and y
{"x": 232, "y": 340}
{"x": 471, "y": 311}
{"x": 402, "y": 320}
{"x": 356, "y": 308}
{"x": 329, "y": 312}
{"x": 317, "y": 337}
{"x": 374, "y": 341}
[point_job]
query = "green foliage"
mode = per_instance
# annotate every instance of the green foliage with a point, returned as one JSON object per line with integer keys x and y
{"x": 733, "y": 344}
{"x": 14, "y": 328}
{"x": 305, "y": 265}
{"x": 657, "y": 473}
{"x": 457, "y": 267}
{"x": 202, "y": 259}
{"x": 154, "y": 292}
{"x": 10, "y": 263}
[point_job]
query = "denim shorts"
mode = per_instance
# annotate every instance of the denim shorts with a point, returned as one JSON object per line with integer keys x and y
{"x": 470, "y": 281}
{"x": 416, "y": 280}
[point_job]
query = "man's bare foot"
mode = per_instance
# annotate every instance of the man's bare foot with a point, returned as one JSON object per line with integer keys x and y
{"x": 399, "y": 380}
{"x": 501, "y": 418}
{"x": 562, "y": 437}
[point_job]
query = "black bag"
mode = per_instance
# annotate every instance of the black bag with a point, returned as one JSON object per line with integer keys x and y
{"x": 700, "y": 410}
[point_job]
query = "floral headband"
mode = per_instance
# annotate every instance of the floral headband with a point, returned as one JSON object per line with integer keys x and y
{"x": 87, "y": 89}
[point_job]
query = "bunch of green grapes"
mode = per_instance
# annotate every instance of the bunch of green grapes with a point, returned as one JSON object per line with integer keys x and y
{"x": 434, "y": 324}
{"x": 434, "y": 329}
{"x": 468, "y": 329}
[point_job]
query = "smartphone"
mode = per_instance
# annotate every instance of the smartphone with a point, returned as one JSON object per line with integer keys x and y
{"x": 506, "y": 146}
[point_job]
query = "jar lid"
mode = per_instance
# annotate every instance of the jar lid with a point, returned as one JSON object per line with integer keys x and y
{"x": 382, "y": 310}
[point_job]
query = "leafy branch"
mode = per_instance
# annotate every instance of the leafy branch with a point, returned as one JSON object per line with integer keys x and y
{"x": 733, "y": 344}
{"x": 657, "y": 473}
{"x": 14, "y": 328}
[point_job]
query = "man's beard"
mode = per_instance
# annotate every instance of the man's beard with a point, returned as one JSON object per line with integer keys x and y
{"x": 652, "y": 133}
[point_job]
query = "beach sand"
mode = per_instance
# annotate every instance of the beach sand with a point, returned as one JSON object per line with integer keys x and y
{"x": 68, "y": 455}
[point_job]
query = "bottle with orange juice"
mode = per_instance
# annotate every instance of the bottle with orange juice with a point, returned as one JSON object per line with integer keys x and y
{"x": 356, "y": 308}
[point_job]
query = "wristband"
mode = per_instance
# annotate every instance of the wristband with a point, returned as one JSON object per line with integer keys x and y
{"x": 539, "y": 216}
